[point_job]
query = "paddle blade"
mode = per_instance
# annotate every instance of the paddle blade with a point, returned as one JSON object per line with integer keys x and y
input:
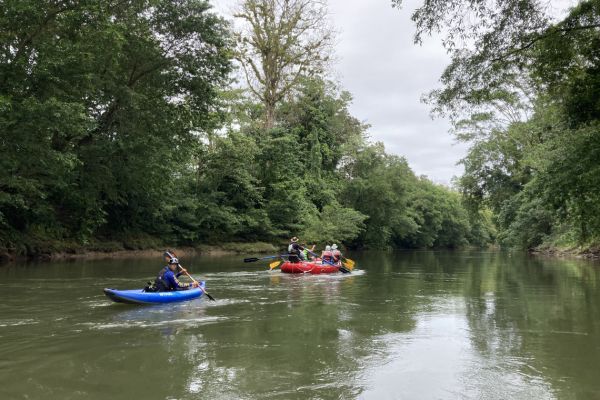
{"x": 251, "y": 259}
{"x": 349, "y": 263}
{"x": 209, "y": 296}
{"x": 348, "y": 266}
{"x": 274, "y": 264}
{"x": 344, "y": 269}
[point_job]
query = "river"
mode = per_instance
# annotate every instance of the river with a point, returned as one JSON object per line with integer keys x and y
{"x": 404, "y": 325}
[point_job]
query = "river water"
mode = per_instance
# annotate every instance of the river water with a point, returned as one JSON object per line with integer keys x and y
{"x": 405, "y": 325}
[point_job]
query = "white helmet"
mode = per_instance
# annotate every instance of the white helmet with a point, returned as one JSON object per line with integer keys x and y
{"x": 334, "y": 246}
{"x": 328, "y": 248}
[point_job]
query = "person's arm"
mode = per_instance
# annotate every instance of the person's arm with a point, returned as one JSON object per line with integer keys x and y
{"x": 174, "y": 282}
{"x": 182, "y": 285}
{"x": 180, "y": 271}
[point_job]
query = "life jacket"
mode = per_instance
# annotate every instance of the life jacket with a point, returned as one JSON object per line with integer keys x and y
{"x": 160, "y": 283}
{"x": 327, "y": 256}
{"x": 336, "y": 255}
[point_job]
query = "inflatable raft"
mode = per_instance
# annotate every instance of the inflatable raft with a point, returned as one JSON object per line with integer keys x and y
{"x": 307, "y": 267}
{"x": 138, "y": 296}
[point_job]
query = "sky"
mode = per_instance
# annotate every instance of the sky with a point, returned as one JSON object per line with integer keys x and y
{"x": 386, "y": 73}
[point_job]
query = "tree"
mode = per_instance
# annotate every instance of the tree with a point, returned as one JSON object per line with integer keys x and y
{"x": 378, "y": 186}
{"x": 281, "y": 42}
{"x": 492, "y": 43}
{"x": 523, "y": 88}
{"x": 101, "y": 105}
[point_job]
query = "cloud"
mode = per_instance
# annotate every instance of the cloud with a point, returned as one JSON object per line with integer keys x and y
{"x": 387, "y": 75}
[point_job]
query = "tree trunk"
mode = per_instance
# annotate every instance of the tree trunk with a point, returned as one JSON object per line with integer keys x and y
{"x": 269, "y": 115}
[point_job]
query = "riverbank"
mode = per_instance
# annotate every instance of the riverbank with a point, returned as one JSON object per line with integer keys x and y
{"x": 118, "y": 250}
{"x": 150, "y": 247}
{"x": 589, "y": 252}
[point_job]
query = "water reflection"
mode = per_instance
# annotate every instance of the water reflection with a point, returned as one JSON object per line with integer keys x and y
{"x": 406, "y": 325}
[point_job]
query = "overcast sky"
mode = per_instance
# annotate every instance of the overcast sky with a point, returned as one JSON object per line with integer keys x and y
{"x": 387, "y": 74}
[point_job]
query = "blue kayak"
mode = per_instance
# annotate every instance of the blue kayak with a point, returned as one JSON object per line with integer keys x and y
{"x": 138, "y": 296}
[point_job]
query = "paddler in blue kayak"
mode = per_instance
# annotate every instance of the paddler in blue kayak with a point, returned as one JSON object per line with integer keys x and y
{"x": 167, "y": 281}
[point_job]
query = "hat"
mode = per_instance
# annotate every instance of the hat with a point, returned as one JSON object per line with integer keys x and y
{"x": 328, "y": 248}
{"x": 334, "y": 246}
{"x": 174, "y": 260}
{"x": 294, "y": 239}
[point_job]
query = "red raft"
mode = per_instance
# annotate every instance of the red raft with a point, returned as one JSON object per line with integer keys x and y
{"x": 307, "y": 267}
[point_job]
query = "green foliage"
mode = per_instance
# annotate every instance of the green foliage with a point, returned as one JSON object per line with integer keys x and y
{"x": 118, "y": 130}
{"x": 403, "y": 210}
{"x": 569, "y": 179}
{"x": 334, "y": 224}
{"x": 483, "y": 229}
{"x": 441, "y": 217}
{"x": 98, "y": 112}
{"x": 230, "y": 199}
{"x": 530, "y": 89}
{"x": 378, "y": 186}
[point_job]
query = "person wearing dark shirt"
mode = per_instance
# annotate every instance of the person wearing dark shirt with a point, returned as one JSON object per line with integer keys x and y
{"x": 167, "y": 278}
{"x": 295, "y": 251}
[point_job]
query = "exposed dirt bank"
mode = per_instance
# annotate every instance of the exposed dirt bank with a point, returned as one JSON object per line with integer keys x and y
{"x": 91, "y": 254}
{"x": 587, "y": 252}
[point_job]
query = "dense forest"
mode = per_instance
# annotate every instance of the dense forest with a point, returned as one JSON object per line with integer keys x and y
{"x": 525, "y": 93}
{"x": 151, "y": 122}
{"x": 123, "y": 126}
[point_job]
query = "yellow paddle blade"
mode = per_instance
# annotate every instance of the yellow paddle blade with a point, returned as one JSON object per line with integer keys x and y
{"x": 348, "y": 265}
{"x": 275, "y": 264}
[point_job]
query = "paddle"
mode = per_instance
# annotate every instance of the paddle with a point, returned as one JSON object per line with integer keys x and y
{"x": 199, "y": 287}
{"x": 275, "y": 264}
{"x": 340, "y": 267}
{"x": 254, "y": 259}
{"x": 348, "y": 263}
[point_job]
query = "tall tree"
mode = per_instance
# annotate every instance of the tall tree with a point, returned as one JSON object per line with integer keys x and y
{"x": 280, "y": 42}
{"x": 100, "y": 106}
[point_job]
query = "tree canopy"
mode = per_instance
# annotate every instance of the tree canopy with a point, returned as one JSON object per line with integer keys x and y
{"x": 523, "y": 88}
{"x": 120, "y": 128}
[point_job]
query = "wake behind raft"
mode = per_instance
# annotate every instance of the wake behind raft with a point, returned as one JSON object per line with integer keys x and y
{"x": 138, "y": 296}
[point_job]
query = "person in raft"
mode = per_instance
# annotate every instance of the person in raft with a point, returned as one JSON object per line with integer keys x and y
{"x": 306, "y": 252}
{"x": 327, "y": 255}
{"x": 336, "y": 254}
{"x": 295, "y": 251}
{"x": 167, "y": 281}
